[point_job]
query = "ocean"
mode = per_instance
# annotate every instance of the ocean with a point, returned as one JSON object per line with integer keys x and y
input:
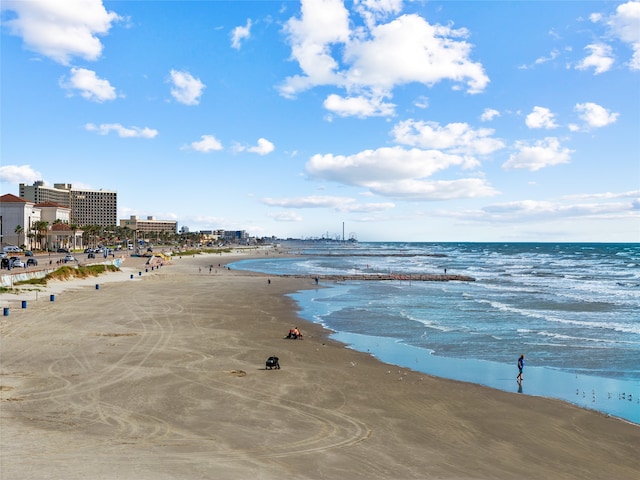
{"x": 573, "y": 310}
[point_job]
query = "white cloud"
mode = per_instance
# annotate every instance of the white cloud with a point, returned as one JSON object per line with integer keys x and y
{"x": 186, "y": 89}
{"x": 543, "y": 153}
{"x": 595, "y": 115}
{"x": 16, "y": 174}
{"x": 358, "y": 106}
{"x": 489, "y": 114}
{"x": 263, "y": 147}
{"x": 409, "y": 49}
{"x": 61, "y": 30}
{"x": 342, "y": 204}
{"x": 369, "y": 62}
{"x": 313, "y": 201}
{"x": 207, "y": 143}
{"x": 422, "y": 102}
{"x": 375, "y": 10}
{"x": 321, "y": 24}
{"x": 380, "y": 165}
{"x": 625, "y": 24}
{"x": 600, "y": 59}
{"x": 541, "y": 117}
{"x": 410, "y": 189}
{"x": 399, "y": 173}
{"x": 599, "y": 206}
{"x": 454, "y": 137}
{"x": 552, "y": 56}
{"x": 89, "y": 85}
{"x": 240, "y": 33}
{"x": 123, "y": 132}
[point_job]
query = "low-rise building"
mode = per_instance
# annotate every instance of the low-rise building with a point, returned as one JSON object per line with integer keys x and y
{"x": 149, "y": 225}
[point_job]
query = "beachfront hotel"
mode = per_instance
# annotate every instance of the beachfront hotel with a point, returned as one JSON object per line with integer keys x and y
{"x": 88, "y": 207}
{"x": 149, "y": 225}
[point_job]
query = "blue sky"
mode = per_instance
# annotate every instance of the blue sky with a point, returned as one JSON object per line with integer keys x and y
{"x": 404, "y": 121}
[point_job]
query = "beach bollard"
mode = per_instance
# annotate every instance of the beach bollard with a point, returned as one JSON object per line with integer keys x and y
{"x": 24, "y": 304}
{"x": 52, "y": 298}
{"x": 5, "y": 312}
{"x": 132, "y": 276}
{"x": 97, "y": 286}
{"x": 139, "y": 274}
{"x": 146, "y": 270}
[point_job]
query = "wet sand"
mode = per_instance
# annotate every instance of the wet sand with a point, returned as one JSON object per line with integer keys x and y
{"x": 163, "y": 377}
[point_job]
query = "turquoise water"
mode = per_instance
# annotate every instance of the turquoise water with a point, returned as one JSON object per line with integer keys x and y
{"x": 572, "y": 309}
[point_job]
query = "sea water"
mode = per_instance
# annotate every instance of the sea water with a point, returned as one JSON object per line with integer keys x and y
{"x": 573, "y": 310}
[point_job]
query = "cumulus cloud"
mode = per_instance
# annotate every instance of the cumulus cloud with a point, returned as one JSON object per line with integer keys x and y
{"x": 398, "y": 172}
{"x": 370, "y": 61}
{"x": 123, "y": 132}
{"x": 541, "y": 154}
{"x": 61, "y": 30}
{"x": 541, "y": 117}
{"x": 489, "y": 114}
{"x": 458, "y": 138}
{"x": 594, "y": 115}
{"x": 263, "y": 147}
{"x": 625, "y": 25}
{"x": 206, "y": 144}
{"x": 358, "y": 106}
{"x": 239, "y": 34}
{"x": 89, "y": 85}
{"x": 186, "y": 89}
{"x": 16, "y": 174}
{"x": 600, "y": 59}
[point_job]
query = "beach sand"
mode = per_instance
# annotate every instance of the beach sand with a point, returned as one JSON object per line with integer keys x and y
{"x": 163, "y": 377}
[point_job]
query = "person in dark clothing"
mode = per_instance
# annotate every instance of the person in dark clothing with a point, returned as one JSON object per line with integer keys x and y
{"x": 520, "y": 368}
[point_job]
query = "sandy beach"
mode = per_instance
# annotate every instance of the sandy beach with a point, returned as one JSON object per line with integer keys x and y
{"x": 163, "y": 377}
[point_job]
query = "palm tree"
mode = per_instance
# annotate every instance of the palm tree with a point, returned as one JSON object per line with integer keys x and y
{"x": 19, "y": 231}
{"x": 40, "y": 228}
{"x": 74, "y": 228}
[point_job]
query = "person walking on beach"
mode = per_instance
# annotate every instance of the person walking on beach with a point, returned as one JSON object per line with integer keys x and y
{"x": 520, "y": 368}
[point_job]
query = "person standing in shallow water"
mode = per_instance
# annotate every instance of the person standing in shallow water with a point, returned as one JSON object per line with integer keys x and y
{"x": 520, "y": 368}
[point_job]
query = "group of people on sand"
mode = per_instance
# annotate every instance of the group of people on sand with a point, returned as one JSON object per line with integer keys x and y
{"x": 294, "y": 334}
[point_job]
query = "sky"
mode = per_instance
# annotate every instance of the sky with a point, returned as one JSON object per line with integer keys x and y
{"x": 379, "y": 120}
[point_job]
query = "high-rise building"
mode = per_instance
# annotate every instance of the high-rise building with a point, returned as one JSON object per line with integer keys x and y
{"x": 88, "y": 207}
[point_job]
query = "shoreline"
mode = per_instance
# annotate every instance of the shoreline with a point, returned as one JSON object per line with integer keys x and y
{"x": 163, "y": 377}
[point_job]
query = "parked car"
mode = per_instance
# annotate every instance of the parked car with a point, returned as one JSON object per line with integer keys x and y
{"x": 32, "y": 261}
{"x": 4, "y": 263}
{"x": 28, "y": 253}
{"x": 63, "y": 250}
{"x": 91, "y": 255}
{"x": 11, "y": 249}
{"x": 16, "y": 262}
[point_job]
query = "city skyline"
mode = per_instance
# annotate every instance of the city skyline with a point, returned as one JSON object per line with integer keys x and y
{"x": 404, "y": 121}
